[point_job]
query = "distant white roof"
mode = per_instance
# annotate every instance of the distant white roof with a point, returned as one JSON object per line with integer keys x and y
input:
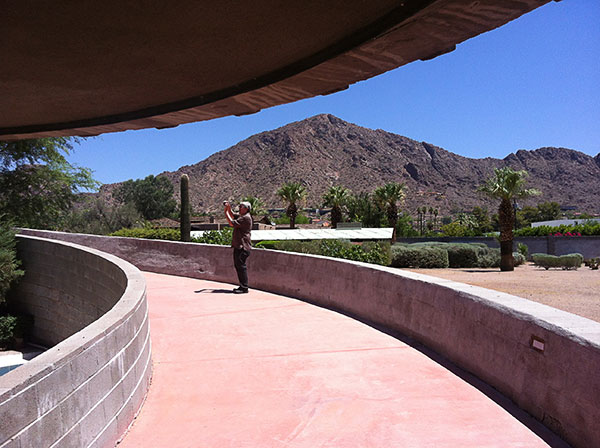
{"x": 318, "y": 234}
{"x": 566, "y": 222}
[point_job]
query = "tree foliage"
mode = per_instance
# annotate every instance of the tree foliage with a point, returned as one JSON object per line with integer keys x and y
{"x": 97, "y": 217}
{"x": 336, "y": 198}
{"x": 507, "y": 185}
{"x": 152, "y": 196}
{"x": 37, "y": 183}
{"x": 389, "y": 195}
{"x": 292, "y": 193}
{"x": 364, "y": 209}
{"x": 9, "y": 264}
{"x": 257, "y": 205}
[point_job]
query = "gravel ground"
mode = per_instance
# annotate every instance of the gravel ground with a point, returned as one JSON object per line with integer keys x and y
{"x": 577, "y": 292}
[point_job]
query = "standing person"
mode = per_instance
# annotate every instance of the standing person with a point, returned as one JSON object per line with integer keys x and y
{"x": 242, "y": 225}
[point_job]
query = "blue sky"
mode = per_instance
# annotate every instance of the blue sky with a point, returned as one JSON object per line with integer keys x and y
{"x": 534, "y": 82}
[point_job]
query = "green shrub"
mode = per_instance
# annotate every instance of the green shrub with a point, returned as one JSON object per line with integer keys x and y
{"x": 589, "y": 228}
{"x": 266, "y": 244}
{"x": 519, "y": 259}
{"x": 570, "y": 261}
{"x": 593, "y": 263}
{"x": 381, "y": 250}
{"x": 9, "y": 264}
{"x": 462, "y": 256}
{"x": 221, "y": 237}
{"x": 490, "y": 260}
{"x": 523, "y": 249}
{"x": 7, "y": 329}
{"x": 150, "y": 233}
{"x": 368, "y": 252}
{"x": 457, "y": 229}
{"x": 404, "y": 256}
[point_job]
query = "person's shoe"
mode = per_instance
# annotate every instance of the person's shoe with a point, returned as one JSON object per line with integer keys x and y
{"x": 240, "y": 290}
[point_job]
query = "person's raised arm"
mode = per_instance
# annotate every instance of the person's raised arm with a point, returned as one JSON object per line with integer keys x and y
{"x": 228, "y": 213}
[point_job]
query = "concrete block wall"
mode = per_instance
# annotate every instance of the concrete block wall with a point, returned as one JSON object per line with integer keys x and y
{"x": 493, "y": 335}
{"x": 86, "y": 390}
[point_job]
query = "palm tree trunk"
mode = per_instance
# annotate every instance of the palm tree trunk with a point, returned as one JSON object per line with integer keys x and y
{"x": 506, "y": 221}
{"x": 292, "y": 211}
{"x": 336, "y": 216}
{"x": 393, "y": 220}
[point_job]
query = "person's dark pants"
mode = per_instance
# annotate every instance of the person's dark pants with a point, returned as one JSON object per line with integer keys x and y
{"x": 239, "y": 261}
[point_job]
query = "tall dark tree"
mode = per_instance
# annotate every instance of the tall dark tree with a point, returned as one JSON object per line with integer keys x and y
{"x": 364, "y": 209}
{"x": 389, "y": 195}
{"x": 186, "y": 210}
{"x": 336, "y": 198}
{"x": 548, "y": 211}
{"x": 507, "y": 185}
{"x": 152, "y": 196}
{"x": 292, "y": 193}
{"x": 37, "y": 183}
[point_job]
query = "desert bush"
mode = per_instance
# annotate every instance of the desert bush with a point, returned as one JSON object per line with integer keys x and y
{"x": 404, "y": 256}
{"x": 570, "y": 261}
{"x": 523, "y": 249}
{"x": 593, "y": 263}
{"x": 519, "y": 258}
{"x": 465, "y": 255}
{"x": 462, "y": 256}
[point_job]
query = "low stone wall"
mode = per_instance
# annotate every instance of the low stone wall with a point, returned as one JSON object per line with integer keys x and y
{"x": 545, "y": 360}
{"x": 86, "y": 390}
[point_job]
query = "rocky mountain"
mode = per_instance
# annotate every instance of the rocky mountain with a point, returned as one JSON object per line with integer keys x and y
{"x": 324, "y": 150}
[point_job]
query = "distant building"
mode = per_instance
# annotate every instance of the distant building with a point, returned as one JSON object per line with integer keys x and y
{"x": 566, "y": 222}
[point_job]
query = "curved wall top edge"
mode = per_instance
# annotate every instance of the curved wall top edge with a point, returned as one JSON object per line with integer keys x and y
{"x": 61, "y": 353}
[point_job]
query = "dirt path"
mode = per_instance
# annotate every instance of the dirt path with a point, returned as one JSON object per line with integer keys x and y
{"x": 577, "y": 292}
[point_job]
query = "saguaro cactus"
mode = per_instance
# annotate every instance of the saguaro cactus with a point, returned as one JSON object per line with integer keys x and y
{"x": 184, "y": 222}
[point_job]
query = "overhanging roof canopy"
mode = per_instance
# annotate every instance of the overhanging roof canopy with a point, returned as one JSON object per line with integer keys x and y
{"x": 88, "y": 67}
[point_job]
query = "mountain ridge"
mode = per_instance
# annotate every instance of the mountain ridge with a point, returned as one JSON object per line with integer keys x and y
{"x": 323, "y": 150}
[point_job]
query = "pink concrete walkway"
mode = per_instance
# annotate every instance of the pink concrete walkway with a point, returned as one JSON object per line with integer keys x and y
{"x": 261, "y": 370}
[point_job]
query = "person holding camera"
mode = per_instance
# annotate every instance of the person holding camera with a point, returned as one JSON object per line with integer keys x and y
{"x": 242, "y": 225}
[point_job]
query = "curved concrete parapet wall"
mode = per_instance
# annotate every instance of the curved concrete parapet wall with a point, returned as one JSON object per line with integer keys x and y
{"x": 86, "y": 390}
{"x": 546, "y": 360}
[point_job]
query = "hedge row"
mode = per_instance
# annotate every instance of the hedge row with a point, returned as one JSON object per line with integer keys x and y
{"x": 419, "y": 257}
{"x": 368, "y": 252}
{"x": 443, "y": 255}
{"x": 570, "y": 261}
{"x": 587, "y": 229}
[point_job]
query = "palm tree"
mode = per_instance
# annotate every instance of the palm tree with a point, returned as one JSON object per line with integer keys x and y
{"x": 292, "y": 192}
{"x": 336, "y": 198}
{"x": 388, "y": 196}
{"x": 257, "y": 206}
{"x": 507, "y": 185}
